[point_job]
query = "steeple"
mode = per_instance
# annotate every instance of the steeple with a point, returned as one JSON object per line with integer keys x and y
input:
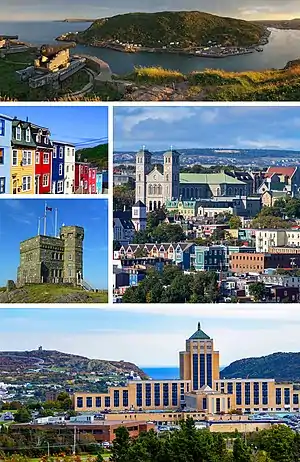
{"x": 199, "y": 326}
{"x": 199, "y": 334}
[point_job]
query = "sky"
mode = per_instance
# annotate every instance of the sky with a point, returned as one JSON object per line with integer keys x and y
{"x": 152, "y": 336}
{"x": 248, "y": 127}
{"x": 60, "y": 9}
{"x": 83, "y": 126}
{"x": 19, "y": 221}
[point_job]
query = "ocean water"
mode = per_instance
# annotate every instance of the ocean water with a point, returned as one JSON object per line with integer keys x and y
{"x": 283, "y": 46}
{"x": 162, "y": 373}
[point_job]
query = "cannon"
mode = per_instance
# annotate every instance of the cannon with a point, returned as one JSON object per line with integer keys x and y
{"x": 9, "y": 37}
{"x": 51, "y": 50}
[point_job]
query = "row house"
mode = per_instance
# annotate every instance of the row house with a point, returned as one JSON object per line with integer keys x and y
{"x": 85, "y": 178}
{"x": 43, "y": 159}
{"x": 5, "y": 151}
{"x": 23, "y": 158}
{"x": 63, "y": 168}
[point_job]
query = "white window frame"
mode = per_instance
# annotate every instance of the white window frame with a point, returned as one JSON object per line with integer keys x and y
{"x": 61, "y": 152}
{"x": 37, "y": 157}
{"x": 27, "y": 135}
{"x": 26, "y": 158}
{"x": 27, "y": 183}
{"x": 18, "y": 133}
{"x": 60, "y": 186}
{"x": 60, "y": 169}
{"x": 45, "y": 177}
{"x": 47, "y": 157}
{"x": 14, "y": 158}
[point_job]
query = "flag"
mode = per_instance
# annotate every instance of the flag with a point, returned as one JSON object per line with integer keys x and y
{"x": 49, "y": 209}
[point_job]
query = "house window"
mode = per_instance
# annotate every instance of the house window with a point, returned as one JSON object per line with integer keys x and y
{"x": 26, "y": 158}
{"x": 45, "y": 180}
{"x": 61, "y": 152}
{"x": 2, "y": 127}
{"x": 93, "y": 188}
{"x": 46, "y": 158}
{"x": 67, "y": 169}
{"x": 60, "y": 186}
{"x": 18, "y": 133}
{"x": 2, "y": 185}
{"x": 46, "y": 139}
{"x": 1, "y": 156}
{"x": 54, "y": 155}
{"x": 27, "y": 135}
{"x": 37, "y": 157}
{"x": 60, "y": 169}
{"x": 26, "y": 183}
{"x": 14, "y": 157}
{"x": 85, "y": 184}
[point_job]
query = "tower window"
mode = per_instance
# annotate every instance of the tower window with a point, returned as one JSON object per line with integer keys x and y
{"x": 70, "y": 256}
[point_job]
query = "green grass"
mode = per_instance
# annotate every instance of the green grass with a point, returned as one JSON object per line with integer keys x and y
{"x": 52, "y": 293}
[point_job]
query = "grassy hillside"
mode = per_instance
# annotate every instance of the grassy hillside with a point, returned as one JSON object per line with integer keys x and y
{"x": 52, "y": 293}
{"x": 279, "y": 366}
{"x": 190, "y": 28}
{"x": 51, "y": 359}
{"x": 98, "y": 155}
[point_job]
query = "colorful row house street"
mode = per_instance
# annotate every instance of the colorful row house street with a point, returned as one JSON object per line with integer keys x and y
{"x": 32, "y": 163}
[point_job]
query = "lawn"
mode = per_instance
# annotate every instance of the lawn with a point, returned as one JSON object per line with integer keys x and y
{"x": 52, "y": 293}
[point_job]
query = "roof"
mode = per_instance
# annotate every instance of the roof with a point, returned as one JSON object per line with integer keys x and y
{"x": 209, "y": 178}
{"x": 139, "y": 204}
{"x": 63, "y": 143}
{"x": 287, "y": 171}
{"x": 199, "y": 334}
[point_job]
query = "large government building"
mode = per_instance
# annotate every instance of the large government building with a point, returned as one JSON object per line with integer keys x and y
{"x": 157, "y": 184}
{"x": 198, "y": 389}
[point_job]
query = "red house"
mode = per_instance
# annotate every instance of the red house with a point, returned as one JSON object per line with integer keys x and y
{"x": 43, "y": 159}
{"x": 82, "y": 178}
{"x": 92, "y": 180}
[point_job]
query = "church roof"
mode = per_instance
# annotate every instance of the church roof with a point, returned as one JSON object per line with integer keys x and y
{"x": 199, "y": 334}
{"x": 139, "y": 204}
{"x": 209, "y": 178}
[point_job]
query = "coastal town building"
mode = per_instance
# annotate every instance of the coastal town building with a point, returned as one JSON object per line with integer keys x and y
{"x": 5, "y": 153}
{"x": 43, "y": 159}
{"x": 241, "y": 263}
{"x": 200, "y": 389}
{"x": 69, "y": 167}
{"x": 268, "y": 240}
{"x": 58, "y": 168}
{"x": 23, "y": 158}
{"x": 52, "y": 259}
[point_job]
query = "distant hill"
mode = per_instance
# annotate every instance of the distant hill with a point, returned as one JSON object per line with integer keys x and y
{"x": 280, "y": 24}
{"x": 189, "y": 28}
{"x": 279, "y": 366}
{"x": 97, "y": 155}
{"x": 20, "y": 361}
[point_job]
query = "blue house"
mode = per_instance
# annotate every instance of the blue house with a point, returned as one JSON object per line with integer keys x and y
{"x": 99, "y": 183}
{"x": 5, "y": 153}
{"x": 58, "y": 168}
{"x": 212, "y": 258}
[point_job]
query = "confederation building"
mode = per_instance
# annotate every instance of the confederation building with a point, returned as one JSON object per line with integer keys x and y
{"x": 199, "y": 389}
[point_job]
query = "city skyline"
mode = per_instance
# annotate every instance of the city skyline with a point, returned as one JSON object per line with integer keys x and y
{"x": 206, "y": 127}
{"x": 37, "y": 10}
{"x": 120, "y": 332}
{"x": 19, "y": 221}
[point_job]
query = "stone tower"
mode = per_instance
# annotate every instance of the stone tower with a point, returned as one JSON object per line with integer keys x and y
{"x": 72, "y": 236}
{"x": 171, "y": 175}
{"x": 142, "y": 168}
{"x": 139, "y": 216}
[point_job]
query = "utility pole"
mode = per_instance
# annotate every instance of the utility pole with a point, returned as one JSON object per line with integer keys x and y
{"x": 74, "y": 442}
{"x": 48, "y": 448}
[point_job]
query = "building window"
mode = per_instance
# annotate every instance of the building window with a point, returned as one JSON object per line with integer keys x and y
{"x": 18, "y": 133}
{"x": 98, "y": 401}
{"x": 46, "y": 139}
{"x": 80, "y": 401}
{"x": 60, "y": 169}
{"x": 14, "y": 157}
{"x": 157, "y": 394}
{"x": 202, "y": 370}
{"x": 2, "y": 185}
{"x": 46, "y": 180}
{"x": 116, "y": 398}
{"x": 27, "y": 135}
{"x": 27, "y": 158}
{"x": 54, "y": 155}
{"x": 26, "y": 183}
{"x": 209, "y": 369}
{"x": 174, "y": 394}
{"x": 1, "y": 156}
{"x": 247, "y": 394}
{"x": 67, "y": 169}
{"x": 125, "y": 398}
{"x": 256, "y": 398}
{"x": 166, "y": 394}
{"x": 2, "y": 127}
{"x": 230, "y": 388}
{"x": 195, "y": 371}
{"x": 85, "y": 184}
{"x": 238, "y": 394}
{"x": 148, "y": 394}
{"x": 139, "y": 394}
{"x": 37, "y": 157}
{"x": 89, "y": 401}
{"x": 265, "y": 393}
{"x": 93, "y": 188}
{"x": 107, "y": 401}
{"x": 287, "y": 396}
{"x": 278, "y": 396}
{"x": 60, "y": 186}
{"x": 61, "y": 152}
{"x": 46, "y": 158}
{"x": 295, "y": 399}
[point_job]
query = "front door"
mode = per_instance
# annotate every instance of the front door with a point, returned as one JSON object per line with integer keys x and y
{"x": 37, "y": 184}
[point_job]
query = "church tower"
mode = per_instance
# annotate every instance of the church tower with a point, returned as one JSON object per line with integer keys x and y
{"x": 199, "y": 362}
{"x": 171, "y": 174}
{"x": 142, "y": 168}
{"x": 139, "y": 216}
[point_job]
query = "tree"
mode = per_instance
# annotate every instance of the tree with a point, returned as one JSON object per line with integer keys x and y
{"x": 121, "y": 446}
{"x": 235, "y": 222}
{"x": 154, "y": 218}
{"x": 22, "y": 415}
{"x": 241, "y": 453}
{"x": 257, "y": 290}
{"x": 166, "y": 232}
{"x": 142, "y": 237}
{"x": 124, "y": 196}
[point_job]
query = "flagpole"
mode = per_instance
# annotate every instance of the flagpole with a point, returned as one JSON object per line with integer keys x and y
{"x": 55, "y": 222}
{"x": 45, "y": 219}
{"x": 39, "y": 226}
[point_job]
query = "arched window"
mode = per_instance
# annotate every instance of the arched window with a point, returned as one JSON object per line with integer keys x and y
{"x": 154, "y": 205}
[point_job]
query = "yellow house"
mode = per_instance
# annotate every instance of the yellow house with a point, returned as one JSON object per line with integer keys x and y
{"x": 23, "y": 159}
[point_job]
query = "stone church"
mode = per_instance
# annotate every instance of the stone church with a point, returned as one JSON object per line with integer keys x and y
{"x": 52, "y": 260}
